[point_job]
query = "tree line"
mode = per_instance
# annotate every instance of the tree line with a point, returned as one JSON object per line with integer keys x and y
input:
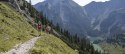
{"x": 82, "y": 45}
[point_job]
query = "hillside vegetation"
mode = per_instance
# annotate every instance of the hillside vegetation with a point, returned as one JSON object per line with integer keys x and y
{"x": 112, "y": 48}
{"x": 14, "y": 28}
{"x": 50, "y": 44}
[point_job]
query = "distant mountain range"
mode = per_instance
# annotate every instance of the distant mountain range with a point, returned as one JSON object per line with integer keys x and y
{"x": 94, "y": 19}
{"x": 105, "y": 17}
{"x": 67, "y": 13}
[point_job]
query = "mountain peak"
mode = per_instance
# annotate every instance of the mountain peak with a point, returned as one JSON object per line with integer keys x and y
{"x": 62, "y": 11}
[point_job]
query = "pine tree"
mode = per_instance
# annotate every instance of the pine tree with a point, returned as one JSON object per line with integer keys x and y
{"x": 30, "y": 1}
{"x": 57, "y": 27}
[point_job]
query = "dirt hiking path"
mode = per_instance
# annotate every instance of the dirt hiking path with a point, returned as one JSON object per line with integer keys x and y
{"x": 23, "y": 48}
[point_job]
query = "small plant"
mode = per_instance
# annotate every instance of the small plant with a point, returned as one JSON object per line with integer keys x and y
{"x": 32, "y": 31}
{"x": 3, "y": 20}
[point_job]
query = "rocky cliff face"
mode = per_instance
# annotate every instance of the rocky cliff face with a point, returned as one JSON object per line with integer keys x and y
{"x": 114, "y": 23}
{"x": 16, "y": 4}
{"x": 22, "y": 7}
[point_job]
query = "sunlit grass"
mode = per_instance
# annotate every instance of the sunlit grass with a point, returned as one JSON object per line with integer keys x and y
{"x": 13, "y": 28}
{"x": 49, "y": 44}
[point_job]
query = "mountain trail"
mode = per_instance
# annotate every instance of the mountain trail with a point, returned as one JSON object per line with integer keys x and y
{"x": 23, "y": 48}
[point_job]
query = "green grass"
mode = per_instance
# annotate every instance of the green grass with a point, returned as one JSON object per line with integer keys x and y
{"x": 13, "y": 28}
{"x": 49, "y": 44}
{"x": 111, "y": 49}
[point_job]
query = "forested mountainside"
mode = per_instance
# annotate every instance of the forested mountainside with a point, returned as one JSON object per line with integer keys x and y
{"x": 68, "y": 14}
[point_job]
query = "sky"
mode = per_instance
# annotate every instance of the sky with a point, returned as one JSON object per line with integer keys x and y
{"x": 80, "y": 2}
{"x": 84, "y": 2}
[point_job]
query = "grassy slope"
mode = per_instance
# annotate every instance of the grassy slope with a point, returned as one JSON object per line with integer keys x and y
{"x": 50, "y": 44}
{"x": 111, "y": 48}
{"x": 13, "y": 27}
